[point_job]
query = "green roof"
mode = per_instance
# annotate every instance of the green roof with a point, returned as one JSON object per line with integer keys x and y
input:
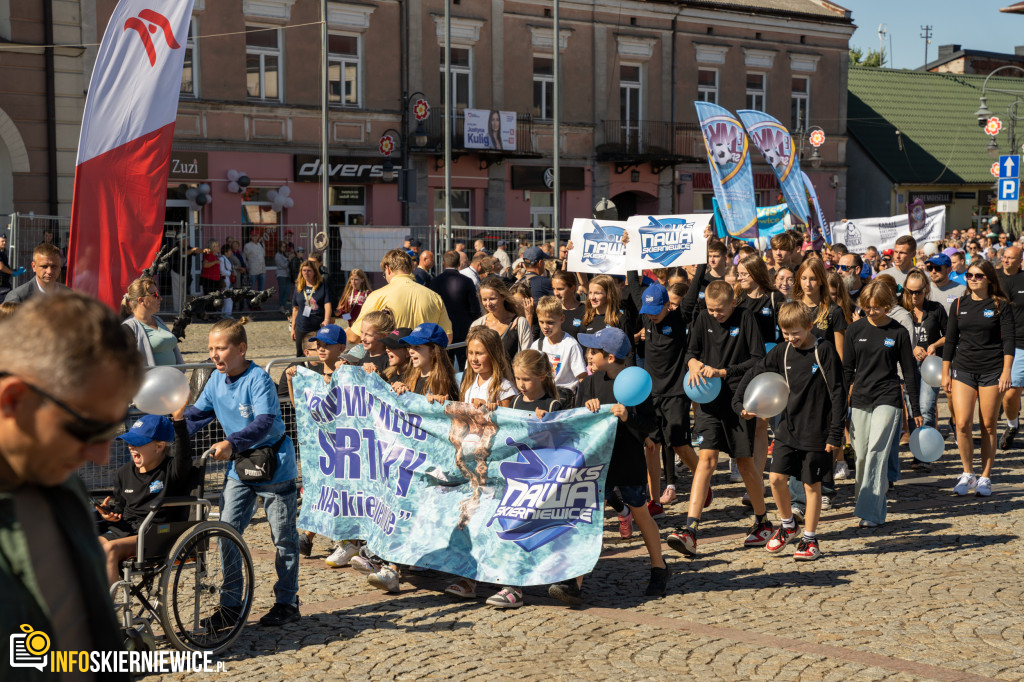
{"x": 939, "y": 139}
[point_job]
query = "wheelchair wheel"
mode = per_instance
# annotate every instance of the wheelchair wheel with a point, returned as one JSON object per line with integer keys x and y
{"x": 208, "y": 562}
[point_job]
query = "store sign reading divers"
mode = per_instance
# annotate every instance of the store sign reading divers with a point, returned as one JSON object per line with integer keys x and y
{"x": 343, "y": 169}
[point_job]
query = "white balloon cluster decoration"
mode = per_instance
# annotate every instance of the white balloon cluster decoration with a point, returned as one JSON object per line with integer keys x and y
{"x": 281, "y": 198}
{"x": 237, "y": 181}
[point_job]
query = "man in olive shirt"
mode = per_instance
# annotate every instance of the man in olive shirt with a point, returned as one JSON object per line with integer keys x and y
{"x": 52, "y": 575}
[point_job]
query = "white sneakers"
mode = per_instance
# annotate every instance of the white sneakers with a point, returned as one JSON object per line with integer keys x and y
{"x": 734, "y": 472}
{"x": 984, "y": 487}
{"x": 841, "y": 472}
{"x": 342, "y": 554}
{"x": 967, "y": 482}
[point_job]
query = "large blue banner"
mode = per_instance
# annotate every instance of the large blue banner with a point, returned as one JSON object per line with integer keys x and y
{"x": 771, "y": 220}
{"x": 731, "y": 175}
{"x": 500, "y": 497}
{"x": 776, "y": 146}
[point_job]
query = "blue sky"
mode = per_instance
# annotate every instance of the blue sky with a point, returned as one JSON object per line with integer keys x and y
{"x": 975, "y": 25}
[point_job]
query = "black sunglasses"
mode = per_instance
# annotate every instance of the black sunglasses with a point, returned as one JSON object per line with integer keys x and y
{"x": 844, "y": 268}
{"x": 83, "y": 429}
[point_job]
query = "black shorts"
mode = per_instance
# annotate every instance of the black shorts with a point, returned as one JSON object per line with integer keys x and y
{"x": 115, "y": 530}
{"x": 810, "y": 466}
{"x": 976, "y": 379}
{"x": 733, "y": 435}
{"x": 673, "y": 425}
{"x": 632, "y": 495}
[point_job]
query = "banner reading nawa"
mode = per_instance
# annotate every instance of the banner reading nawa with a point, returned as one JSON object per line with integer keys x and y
{"x": 661, "y": 241}
{"x": 500, "y": 497}
{"x": 117, "y": 211}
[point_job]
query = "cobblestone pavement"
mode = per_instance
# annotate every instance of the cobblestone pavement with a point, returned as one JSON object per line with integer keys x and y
{"x": 934, "y": 594}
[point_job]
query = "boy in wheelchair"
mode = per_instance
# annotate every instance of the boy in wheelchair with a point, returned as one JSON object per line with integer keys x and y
{"x": 161, "y": 467}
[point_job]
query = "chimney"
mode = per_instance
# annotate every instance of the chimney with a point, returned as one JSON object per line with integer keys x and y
{"x": 946, "y": 50}
{"x": 1019, "y": 50}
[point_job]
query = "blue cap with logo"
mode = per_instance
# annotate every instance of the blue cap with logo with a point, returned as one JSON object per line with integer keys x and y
{"x": 611, "y": 340}
{"x": 428, "y": 332}
{"x": 148, "y": 429}
{"x": 655, "y": 298}
{"x": 331, "y": 334}
{"x": 941, "y": 260}
{"x": 534, "y": 254}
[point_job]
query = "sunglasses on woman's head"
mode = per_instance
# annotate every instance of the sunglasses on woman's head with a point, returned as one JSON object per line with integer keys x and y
{"x": 83, "y": 429}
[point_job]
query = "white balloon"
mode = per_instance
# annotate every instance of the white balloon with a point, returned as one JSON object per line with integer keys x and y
{"x": 931, "y": 370}
{"x": 209, "y": 198}
{"x": 278, "y": 205}
{"x": 233, "y": 175}
{"x": 927, "y": 444}
{"x": 930, "y": 249}
{"x": 191, "y": 193}
{"x": 164, "y": 390}
{"x": 284, "y": 190}
{"x": 204, "y": 188}
{"x": 289, "y": 202}
{"x": 233, "y": 187}
{"x": 272, "y": 194}
{"x": 766, "y": 395}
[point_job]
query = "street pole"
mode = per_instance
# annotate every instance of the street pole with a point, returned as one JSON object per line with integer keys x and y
{"x": 448, "y": 125}
{"x": 556, "y": 183}
{"x": 325, "y": 162}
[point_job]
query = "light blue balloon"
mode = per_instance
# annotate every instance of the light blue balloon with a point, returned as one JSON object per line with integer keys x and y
{"x": 768, "y": 346}
{"x": 927, "y": 444}
{"x": 632, "y": 386}
{"x": 458, "y": 378}
{"x": 702, "y": 393}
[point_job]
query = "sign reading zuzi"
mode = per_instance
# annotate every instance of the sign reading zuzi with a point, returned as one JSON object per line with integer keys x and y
{"x": 495, "y": 496}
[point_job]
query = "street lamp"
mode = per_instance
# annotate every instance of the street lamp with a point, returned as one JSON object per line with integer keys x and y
{"x": 419, "y": 138}
{"x": 815, "y": 135}
{"x": 992, "y": 125}
{"x": 387, "y": 146}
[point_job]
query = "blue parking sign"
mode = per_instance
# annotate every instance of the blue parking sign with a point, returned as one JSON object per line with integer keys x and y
{"x": 1009, "y": 189}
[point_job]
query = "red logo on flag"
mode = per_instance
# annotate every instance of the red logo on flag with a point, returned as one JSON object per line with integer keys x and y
{"x": 148, "y": 22}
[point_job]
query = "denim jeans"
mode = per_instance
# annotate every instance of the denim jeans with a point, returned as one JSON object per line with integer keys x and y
{"x": 237, "y": 505}
{"x": 285, "y": 288}
{"x": 873, "y": 433}
{"x": 929, "y": 401}
{"x": 258, "y": 282}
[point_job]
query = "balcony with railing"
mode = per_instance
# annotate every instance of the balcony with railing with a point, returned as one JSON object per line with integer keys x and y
{"x": 660, "y": 143}
{"x": 435, "y": 138}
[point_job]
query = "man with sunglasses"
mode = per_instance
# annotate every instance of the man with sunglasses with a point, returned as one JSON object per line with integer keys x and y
{"x": 851, "y": 268}
{"x": 1011, "y": 278}
{"x": 943, "y": 289}
{"x": 46, "y": 264}
{"x": 67, "y": 373}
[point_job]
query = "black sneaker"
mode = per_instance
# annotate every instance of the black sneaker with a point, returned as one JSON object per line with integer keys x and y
{"x": 658, "y": 584}
{"x": 566, "y": 591}
{"x": 918, "y": 465}
{"x": 281, "y": 614}
{"x": 683, "y": 540}
{"x": 305, "y": 545}
{"x": 223, "y": 618}
{"x": 1006, "y": 440}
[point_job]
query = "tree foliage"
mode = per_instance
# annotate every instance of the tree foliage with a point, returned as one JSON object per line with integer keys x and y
{"x": 873, "y": 58}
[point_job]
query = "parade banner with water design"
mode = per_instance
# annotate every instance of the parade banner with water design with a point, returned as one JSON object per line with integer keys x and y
{"x": 776, "y": 146}
{"x": 597, "y": 247}
{"x": 882, "y": 233}
{"x": 731, "y": 176}
{"x": 771, "y": 220}
{"x": 500, "y": 497}
{"x": 666, "y": 241}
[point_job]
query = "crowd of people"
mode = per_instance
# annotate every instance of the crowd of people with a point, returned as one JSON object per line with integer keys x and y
{"x": 847, "y": 331}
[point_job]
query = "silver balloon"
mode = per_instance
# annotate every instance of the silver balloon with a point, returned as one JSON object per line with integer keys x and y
{"x": 164, "y": 390}
{"x": 767, "y": 395}
{"x": 931, "y": 370}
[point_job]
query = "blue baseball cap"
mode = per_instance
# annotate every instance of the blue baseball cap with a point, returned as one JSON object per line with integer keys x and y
{"x": 428, "y": 332}
{"x": 655, "y": 298}
{"x": 331, "y": 334}
{"x": 148, "y": 429}
{"x": 940, "y": 259}
{"x": 611, "y": 340}
{"x": 534, "y": 254}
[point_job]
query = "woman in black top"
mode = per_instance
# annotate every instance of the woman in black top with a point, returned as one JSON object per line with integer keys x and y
{"x": 564, "y": 284}
{"x": 875, "y": 346}
{"x": 976, "y": 362}
{"x": 311, "y": 303}
{"x": 503, "y": 315}
{"x": 812, "y": 290}
{"x": 930, "y": 322}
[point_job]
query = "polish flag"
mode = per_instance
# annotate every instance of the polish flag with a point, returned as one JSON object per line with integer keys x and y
{"x": 124, "y": 152}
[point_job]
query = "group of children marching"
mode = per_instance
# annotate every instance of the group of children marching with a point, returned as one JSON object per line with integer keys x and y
{"x": 708, "y": 329}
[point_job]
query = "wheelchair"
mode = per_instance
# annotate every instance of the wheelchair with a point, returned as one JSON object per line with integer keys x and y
{"x": 178, "y": 575}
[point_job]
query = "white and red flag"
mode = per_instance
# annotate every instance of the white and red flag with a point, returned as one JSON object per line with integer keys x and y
{"x": 117, "y": 211}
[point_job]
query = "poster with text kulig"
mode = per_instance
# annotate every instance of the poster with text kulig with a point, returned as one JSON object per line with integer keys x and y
{"x": 597, "y": 247}
{"x": 666, "y": 241}
{"x": 496, "y": 496}
{"x": 489, "y": 129}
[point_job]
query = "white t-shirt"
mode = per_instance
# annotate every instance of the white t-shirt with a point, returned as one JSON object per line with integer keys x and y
{"x": 483, "y": 391}
{"x": 566, "y": 358}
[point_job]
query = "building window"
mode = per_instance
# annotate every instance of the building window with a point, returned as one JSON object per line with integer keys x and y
{"x": 263, "y": 63}
{"x": 630, "y": 107}
{"x": 543, "y": 88}
{"x": 703, "y": 202}
{"x": 343, "y": 70}
{"x": 462, "y": 78}
{"x": 755, "y": 91}
{"x": 800, "y": 117}
{"x": 460, "y": 206}
{"x": 542, "y": 210}
{"x": 190, "y": 71}
{"x": 707, "y": 85}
